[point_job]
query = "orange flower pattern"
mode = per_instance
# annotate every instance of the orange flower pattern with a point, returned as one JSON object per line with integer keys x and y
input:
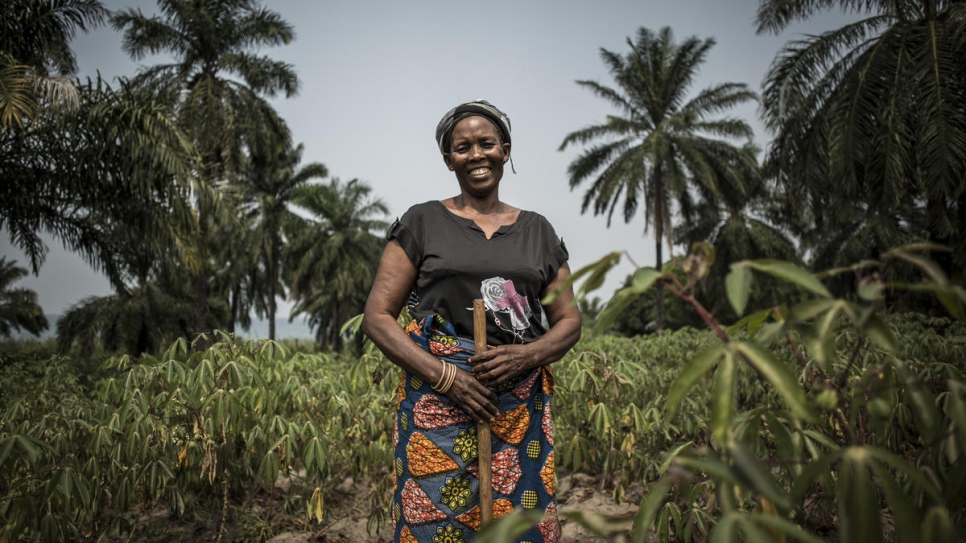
{"x": 425, "y": 458}
{"x": 512, "y": 425}
{"x": 436, "y": 496}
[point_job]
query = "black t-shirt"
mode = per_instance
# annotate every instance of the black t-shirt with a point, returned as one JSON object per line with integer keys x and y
{"x": 457, "y": 264}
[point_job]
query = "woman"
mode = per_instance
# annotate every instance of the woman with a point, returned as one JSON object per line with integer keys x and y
{"x": 441, "y": 255}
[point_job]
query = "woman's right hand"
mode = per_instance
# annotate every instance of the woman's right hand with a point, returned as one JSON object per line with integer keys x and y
{"x": 475, "y": 398}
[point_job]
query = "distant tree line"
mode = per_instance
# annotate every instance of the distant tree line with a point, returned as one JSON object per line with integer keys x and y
{"x": 181, "y": 184}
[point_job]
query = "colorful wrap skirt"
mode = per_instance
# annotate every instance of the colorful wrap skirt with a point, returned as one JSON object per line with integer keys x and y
{"x": 436, "y": 497}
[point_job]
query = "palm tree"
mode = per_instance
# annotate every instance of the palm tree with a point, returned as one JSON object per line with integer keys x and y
{"x": 216, "y": 84}
{"x": 18, "y": 306}
{"x": 270, "y": 190}
{"x": 109, "y": 170}
{"x": 662, "y": 148}
{"x": 332, "y": 258}
{"x": 871, "y": 120}
{"x": 36, "y": 60}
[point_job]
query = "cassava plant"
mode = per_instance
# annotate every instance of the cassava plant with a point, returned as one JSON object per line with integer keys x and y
{"x": 849, "y": 432}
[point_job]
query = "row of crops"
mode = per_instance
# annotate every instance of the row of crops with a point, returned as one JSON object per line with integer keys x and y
{"x": 83, "y": 457}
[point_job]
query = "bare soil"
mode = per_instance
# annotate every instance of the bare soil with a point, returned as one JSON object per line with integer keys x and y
{"x": 346, "y": 520}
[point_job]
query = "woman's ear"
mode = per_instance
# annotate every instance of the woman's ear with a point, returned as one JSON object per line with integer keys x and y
{"x": 448, "y": 161}
{"x": 506, "y": 152}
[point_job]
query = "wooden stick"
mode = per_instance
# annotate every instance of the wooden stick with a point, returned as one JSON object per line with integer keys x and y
{"x": 483, "y": 429}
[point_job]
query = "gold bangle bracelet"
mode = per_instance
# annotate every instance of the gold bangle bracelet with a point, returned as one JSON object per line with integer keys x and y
{"x": 447, "y": 379}
{"x": 442, "y": 377}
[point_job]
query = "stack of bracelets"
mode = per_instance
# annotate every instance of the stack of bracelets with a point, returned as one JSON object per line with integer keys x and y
{"x": 446, "y": 378}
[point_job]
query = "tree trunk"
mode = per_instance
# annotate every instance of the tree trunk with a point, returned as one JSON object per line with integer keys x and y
{"x": 235, "y": 294}
{"x": 659, "y": 236}
{"x": 272, "y": 281}
{"x": 201, "y": 278}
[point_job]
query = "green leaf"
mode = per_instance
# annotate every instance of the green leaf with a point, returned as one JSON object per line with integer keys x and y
{"x": 597, "y": 272}
{"x": 722, "y": 397}
{"x": 757, "y": 475}
{"x": 938, "y": 527}
{"x": 810, "y": 309}
{"x": 955, "y": 409}
{"x": 792, "y": 274}
{"x": 877, "y": 330}
{"x": 509, "y": 527}
{"x": 738, "y": 287}
{"x": 858, "y": 504}
{"x": 906, "y": 514}
{"x": 923, "y": 404}
{"x": 726, "y": 530}
{"x": 643, "y": 280}
{"x": 692, "y": 371}
{"x": 644, "y": 519}
{"x": 789, "y": 448}
{"x": 672, "y": 455}
{"x": 783, "y": 525}
{"x": 779, "y": 376}
{"x": 912, "y": 472}
{"x": 753, "y": 322}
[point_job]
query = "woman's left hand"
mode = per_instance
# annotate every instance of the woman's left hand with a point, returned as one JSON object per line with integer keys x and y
{"x": 502, "y": 363}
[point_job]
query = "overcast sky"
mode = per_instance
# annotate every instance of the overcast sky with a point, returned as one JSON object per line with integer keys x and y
{"x": 376, "y": 76}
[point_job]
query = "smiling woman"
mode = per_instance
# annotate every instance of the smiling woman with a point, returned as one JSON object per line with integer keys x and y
{"x": 441, "y": 256}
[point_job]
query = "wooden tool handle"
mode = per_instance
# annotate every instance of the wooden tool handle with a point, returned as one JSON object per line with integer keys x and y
{"x": 483, "y": 429}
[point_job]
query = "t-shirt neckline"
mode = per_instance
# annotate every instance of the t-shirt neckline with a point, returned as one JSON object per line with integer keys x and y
{"x": 503, "y": 229}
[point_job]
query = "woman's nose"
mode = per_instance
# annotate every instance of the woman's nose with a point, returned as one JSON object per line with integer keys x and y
{"x": 476, "y": 151}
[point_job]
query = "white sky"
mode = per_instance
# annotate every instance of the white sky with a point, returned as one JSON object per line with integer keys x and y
{"x": 377, "y": 75}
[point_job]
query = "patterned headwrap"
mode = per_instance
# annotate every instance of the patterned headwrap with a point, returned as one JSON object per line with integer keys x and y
{"x": 462, "y": 111}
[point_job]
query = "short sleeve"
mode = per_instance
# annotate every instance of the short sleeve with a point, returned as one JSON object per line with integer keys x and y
{"x": 557, "y": 259}
{"x": 399, "y": 232}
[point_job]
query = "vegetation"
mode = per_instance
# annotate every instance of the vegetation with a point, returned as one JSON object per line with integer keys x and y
{"x": 870, "y": 123}
{"x": 812, "y": 387}
{"x": 811, "y": 413}
{"x": 18, "y": 306}
{"x": 665, "y": 146}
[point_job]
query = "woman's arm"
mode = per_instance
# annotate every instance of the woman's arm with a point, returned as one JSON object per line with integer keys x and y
{"x": 390, "y": 290}
{"x": 507, "y": 361}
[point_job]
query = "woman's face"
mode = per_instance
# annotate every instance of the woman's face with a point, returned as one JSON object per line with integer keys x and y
{"x": 477, "y": 156}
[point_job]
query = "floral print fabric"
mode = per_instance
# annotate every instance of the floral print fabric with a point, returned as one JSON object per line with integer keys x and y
{"x": 436, "y": 498}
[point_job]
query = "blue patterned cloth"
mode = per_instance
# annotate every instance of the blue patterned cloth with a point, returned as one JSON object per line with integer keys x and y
{"x": 436, "y": 498}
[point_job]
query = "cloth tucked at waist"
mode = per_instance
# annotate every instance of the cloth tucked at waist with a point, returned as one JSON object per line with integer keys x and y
{"x": 436, "y": 496}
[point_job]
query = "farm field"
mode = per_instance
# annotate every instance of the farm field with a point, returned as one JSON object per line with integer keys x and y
{"x": 197, "y": 445}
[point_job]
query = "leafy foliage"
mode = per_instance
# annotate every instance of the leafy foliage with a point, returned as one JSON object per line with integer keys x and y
{"x": 18, "y": 306}
{"x": 664, "y": 147}
{"x": 35, "y": 54}
{"x": 332, "y": 257}
{"x": 180, "y": 429}
{"x": 871, "y": 127}
{"x": 815, "y": 398}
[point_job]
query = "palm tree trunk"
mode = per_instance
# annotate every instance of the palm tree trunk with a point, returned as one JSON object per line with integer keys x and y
{"x": 201, "y": 277}
{"x": 235, "y": 294}
{"x": 659, "y": 211}
{"x": 272, "y": 281}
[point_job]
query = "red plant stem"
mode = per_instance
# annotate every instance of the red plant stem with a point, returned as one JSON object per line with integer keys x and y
{"x": 707, "y": 317}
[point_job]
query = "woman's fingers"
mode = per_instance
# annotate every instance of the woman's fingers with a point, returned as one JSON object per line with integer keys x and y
{"x": 476, "y": 399}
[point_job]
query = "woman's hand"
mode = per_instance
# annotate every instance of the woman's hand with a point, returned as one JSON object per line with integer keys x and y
{"x": 502, "y": 363}
{"x": 473, "y": 396}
